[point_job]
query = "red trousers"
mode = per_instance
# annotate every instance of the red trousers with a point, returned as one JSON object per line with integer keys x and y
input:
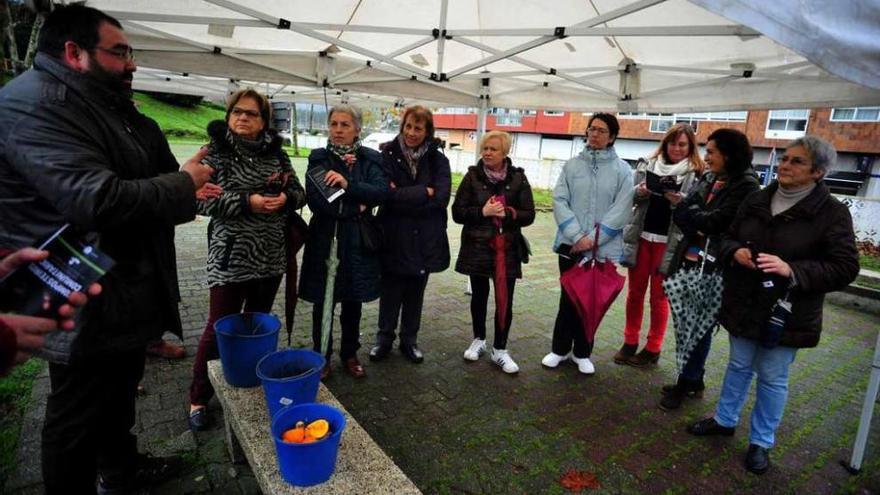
{"x": 647, "y": 269}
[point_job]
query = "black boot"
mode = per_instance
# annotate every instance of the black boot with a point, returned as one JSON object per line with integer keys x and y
{"x": 695, "y": 391}
{"x": 674, "y": 396}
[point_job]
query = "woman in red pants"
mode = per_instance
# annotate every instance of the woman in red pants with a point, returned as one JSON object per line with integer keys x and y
{"x": 650, "y": 239}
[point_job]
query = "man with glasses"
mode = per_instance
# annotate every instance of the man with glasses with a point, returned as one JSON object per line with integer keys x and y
{"x": 73, "y": 149}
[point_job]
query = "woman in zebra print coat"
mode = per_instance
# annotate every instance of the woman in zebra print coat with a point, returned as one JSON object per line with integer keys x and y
{"x": 246, "y": 251}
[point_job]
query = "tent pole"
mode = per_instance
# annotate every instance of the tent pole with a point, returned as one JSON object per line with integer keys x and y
{"x": 855, "y": 463}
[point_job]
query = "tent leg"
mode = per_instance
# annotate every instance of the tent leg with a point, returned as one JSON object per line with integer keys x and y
{"x": 855, "y": 463}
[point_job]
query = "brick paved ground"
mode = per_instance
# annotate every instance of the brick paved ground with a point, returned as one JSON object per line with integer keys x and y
{"x": 457, "y": 427}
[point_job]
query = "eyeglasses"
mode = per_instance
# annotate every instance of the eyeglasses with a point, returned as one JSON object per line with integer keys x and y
{"x": 125, "y": 54}
{"x": 794, "y": 160}
{"x": 238, "y": 112}
{"x": 597, "y": 130}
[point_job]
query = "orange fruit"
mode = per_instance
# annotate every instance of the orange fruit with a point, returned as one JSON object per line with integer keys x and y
{"x": 295, "y": 434}
{"x": 318, "y": 429}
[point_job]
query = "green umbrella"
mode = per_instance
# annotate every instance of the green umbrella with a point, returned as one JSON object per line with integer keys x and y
{"x": 332, "y": 263}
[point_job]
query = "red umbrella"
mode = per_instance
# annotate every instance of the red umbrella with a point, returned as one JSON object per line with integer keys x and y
{"x": 592, "y": 286}
{"x": 499, "y": 245}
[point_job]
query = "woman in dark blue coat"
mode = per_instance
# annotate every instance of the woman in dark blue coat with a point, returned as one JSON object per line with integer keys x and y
{"x": 357, "y": 170}
{"x": 414, "y": 224}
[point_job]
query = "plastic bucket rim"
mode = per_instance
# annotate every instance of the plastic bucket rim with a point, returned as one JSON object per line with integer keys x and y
{"x": 308, "y": 373}
{"x": 247, "y": 336}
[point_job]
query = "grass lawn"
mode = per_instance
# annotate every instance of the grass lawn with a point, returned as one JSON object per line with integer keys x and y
{"x": 15, "y": 397}
{"x": 869, "y": 262}
{"x": 180, "y": 122}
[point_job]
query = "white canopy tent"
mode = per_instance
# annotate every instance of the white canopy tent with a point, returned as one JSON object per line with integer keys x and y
{"x": 575, "y": 55}
{"x": 612, "y": 55}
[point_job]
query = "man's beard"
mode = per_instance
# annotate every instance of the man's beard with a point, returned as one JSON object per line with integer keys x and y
{"x": 115, "y": 82}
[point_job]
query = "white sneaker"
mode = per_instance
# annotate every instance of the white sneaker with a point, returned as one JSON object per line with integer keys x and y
{"x": 552, "y": 360}
{"x": 585, "y": 366}
{"x": 502, "y": 358}
{"x": 477, "y": 349}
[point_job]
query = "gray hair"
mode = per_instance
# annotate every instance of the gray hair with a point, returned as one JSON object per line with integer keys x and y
{"x": 348, "y": 109}
{"x": 822, "y": 153}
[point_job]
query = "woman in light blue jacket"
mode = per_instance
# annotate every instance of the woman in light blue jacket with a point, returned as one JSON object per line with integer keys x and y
{"x": 594, "y": 193}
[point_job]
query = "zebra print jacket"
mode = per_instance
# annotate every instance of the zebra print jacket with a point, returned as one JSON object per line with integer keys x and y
{"x": 243, "y": 245}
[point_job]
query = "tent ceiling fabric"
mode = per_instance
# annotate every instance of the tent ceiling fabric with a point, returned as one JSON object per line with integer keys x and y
{"x": 613, "y": 55}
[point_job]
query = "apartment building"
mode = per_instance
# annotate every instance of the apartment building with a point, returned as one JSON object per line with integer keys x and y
{"x": 546, "y": 135}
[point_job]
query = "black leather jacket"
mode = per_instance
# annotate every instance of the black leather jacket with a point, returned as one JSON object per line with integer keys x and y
{"x": 72, "y": 151}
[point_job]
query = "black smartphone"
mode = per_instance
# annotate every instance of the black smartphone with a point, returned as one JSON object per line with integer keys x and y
{"x": 564, "y": 250}
{"x": 40, "y": 288}
{"x": 754, "y": 251}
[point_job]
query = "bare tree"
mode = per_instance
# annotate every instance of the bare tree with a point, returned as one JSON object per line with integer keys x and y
{"x": 10, "y": 34}
{"x": 32, "y": 42}
{"x": 42, "y": 9}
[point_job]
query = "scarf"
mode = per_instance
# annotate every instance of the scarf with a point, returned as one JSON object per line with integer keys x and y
{"x": 412, "y": 155}
{"x": 495, "y": 176}
{"x": 341, "y": 150}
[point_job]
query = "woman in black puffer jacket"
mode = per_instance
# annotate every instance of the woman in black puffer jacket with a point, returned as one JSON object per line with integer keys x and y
{"x": 414, "y": 225}
{"x": 492, "y": 192}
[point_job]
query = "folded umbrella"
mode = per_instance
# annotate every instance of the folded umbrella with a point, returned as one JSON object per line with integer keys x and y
{"x": 695, "y": 299}
{"x": 592, "y": 286}
{"x": 499, "y": 245}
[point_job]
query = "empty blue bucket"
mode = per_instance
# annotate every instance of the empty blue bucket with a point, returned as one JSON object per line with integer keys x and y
{"x": 307, "y": 464}
{"x": 243, "y": 339}
{"x": 290, "y": 377}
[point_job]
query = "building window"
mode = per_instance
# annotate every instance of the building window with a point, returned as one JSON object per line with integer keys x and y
{"x": 510, "y": 117}
{"x": 856, "y": 114}
{"x": 661, "y": 122}
{"x": 787, "y": 124}
{"x": 551, "y": 113}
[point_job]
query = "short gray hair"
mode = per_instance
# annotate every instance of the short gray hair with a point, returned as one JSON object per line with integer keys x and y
{"x": 822, "y": 153}
{"x": 348, "y": 109}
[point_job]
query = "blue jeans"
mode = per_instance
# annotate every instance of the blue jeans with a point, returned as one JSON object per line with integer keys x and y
{"x": 747, "y": 358}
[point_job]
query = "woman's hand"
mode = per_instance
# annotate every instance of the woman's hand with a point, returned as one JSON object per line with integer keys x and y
{"x": 261, "y": 204}
{"x": 493, "y": 208}
{"x": 430, "y": 191}
{"x": 642, "y": 190}
{"x": 743, "y": 256}
{"x": 208, "y": 191}
{"x": 769, "y": 263}
{"x": 334, "y": 178}
{"x": 583, "y": 245}
{"x": 276, "y": 203}
{"x": 673, "y": 197}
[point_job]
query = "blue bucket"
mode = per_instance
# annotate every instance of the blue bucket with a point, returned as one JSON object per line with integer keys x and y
{"x": 243, "y": 339}
{"x": 307, "y": 464}
{"x": 290, "y": 377}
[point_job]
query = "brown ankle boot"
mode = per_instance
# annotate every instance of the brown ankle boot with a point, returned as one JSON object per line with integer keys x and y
{"x": 625, "y": 352}
{"x": 644, "y": 359}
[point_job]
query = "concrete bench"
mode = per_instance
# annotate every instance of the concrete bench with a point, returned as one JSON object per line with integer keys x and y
{"x": 362, "y": 467}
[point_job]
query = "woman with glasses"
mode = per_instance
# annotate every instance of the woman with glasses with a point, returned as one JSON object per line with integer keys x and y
{"x": 246, "y": 235}
{"x": 591, "y": 204}
{"x": 651, "y": 238}
{"x": 789, "y": 244}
